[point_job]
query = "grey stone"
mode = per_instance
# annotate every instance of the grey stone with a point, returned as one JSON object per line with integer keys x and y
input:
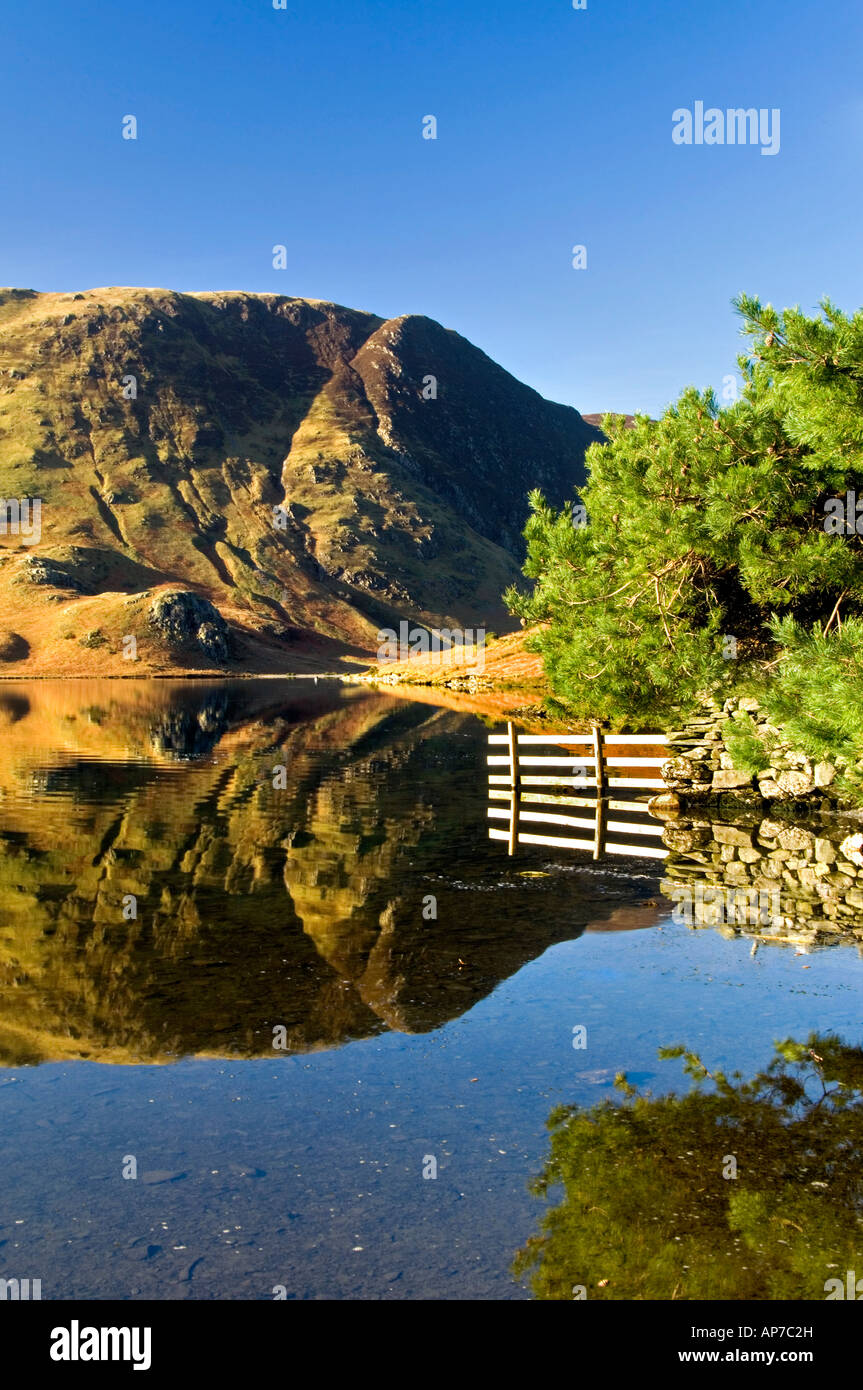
{"x": 795, "y": 783}
{"x": 727, "y": 780}
{"x": 769, "y": 789}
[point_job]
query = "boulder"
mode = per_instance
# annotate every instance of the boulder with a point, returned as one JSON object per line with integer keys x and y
{"x": 683, "y": 838}
{"x": 681, "y": 770}
{"x": 39, "y": 569}
{"x": 13, "y": 647}
{"x": 664, "y": 805}
{"x": 750, "y": 855}
{"x": 186, "y": 620}
{"x": 769, "y": 829}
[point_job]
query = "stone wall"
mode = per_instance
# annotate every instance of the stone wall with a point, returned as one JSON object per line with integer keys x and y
{"x": 701, "y": 767}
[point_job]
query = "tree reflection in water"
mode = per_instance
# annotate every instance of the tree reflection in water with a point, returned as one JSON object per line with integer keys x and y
{"x": 737, "y": 1190}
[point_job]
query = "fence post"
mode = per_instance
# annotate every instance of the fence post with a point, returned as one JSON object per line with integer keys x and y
{"x": 514, "y": 787}
{"x": 599, "y": 761}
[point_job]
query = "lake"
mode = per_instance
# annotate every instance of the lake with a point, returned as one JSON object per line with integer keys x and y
{"x": 193, "y": 872}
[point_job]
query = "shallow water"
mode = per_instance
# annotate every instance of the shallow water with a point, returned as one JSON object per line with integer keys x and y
{"x": 169, "y": 898}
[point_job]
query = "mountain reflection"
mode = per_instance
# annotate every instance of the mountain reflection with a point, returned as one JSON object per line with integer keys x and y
{"x": 166, "y": 890}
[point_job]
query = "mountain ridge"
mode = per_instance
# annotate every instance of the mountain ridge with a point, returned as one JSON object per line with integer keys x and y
{"x": 314, "y": 472}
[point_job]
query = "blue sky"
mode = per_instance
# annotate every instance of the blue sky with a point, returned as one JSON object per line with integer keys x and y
{"x": 303, "y": 127}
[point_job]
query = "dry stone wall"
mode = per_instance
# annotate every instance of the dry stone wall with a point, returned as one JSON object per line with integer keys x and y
{"x": 701, "y": 767}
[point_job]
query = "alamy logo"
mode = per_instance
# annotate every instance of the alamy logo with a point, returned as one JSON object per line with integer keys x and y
{"x": 20, "y": 1289}
{"x": 76, "y": 1343}
{"x": 21, "y": 518}
{"x": 736, "y": 126}
{"x": 842, "y": 515}
{"x": 716, "y": 906}
{"x": 851, "y": 1289}
{"x": 444, "y": 645}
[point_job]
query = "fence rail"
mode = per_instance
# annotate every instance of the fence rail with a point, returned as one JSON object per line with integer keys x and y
{"x": 540, "y": 808}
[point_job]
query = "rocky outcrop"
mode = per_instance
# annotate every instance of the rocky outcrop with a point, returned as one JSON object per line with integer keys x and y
{"x": 186, "y": 620}
{"x": 40, "y": 569}
{"x": 13, "y": 647}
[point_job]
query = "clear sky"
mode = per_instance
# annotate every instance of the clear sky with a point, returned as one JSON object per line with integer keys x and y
{"x": 303, "y": 127}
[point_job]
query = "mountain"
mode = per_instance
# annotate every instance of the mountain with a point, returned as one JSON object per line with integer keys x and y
{"x": 597, "y": 419}
{"x": 254, "y": 482}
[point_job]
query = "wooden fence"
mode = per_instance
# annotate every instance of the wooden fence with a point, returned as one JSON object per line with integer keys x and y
{"x": 558, "y": 774}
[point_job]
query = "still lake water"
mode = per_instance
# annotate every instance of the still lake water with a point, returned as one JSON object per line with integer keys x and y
{"x": 260, "y": 906}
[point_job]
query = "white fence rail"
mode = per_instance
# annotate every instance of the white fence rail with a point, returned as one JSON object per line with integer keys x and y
{"x": 609, "y": 817}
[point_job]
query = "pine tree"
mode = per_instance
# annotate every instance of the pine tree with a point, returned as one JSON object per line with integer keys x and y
{"x": 704, "y": 524}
